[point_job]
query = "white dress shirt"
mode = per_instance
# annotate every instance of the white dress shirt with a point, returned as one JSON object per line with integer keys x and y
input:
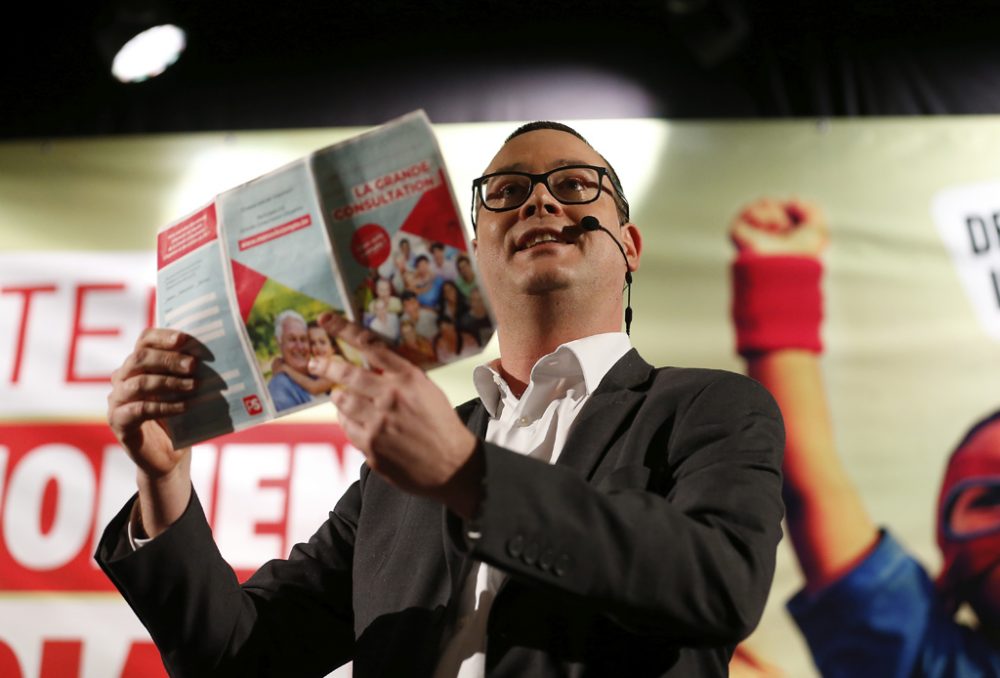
{"x": 536, "y": 424}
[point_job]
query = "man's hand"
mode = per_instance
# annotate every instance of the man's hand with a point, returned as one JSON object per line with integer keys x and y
{"x": 155, "y": 381}
{"x": 774, "y": 227}
{"x": 402, "y": 422}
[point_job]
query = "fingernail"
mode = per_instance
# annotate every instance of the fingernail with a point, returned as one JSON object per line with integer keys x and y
{"x": 187, "y": 384}
{"x": 187, "y": 364}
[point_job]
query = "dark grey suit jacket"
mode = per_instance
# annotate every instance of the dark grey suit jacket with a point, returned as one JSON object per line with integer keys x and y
{"x": 647, "y": 550}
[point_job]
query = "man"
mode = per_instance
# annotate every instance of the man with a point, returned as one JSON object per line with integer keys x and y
{"x": 292, "y": 334}
{"x": 443, "y": 267}
{"x": 423, "y": 319}
{"x": 587, "y": 515}
{"x": 426, "y": 284}
{"x": 465, "y": 277}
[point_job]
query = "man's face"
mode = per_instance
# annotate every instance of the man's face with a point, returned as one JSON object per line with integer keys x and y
{"x": 526, "y": 251}
{"x": 438, "y": 255}
{"x": 411, "y": 307}
{"x": 294, "y": 343}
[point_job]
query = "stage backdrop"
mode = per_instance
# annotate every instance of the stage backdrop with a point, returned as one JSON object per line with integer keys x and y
{"x": 912, "y": 335}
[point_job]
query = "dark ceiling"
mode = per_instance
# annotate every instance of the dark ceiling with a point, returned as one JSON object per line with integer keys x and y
{"x": 313, "y": 64}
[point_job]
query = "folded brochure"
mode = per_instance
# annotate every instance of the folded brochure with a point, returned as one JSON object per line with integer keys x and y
{"x": 368, "y": 228}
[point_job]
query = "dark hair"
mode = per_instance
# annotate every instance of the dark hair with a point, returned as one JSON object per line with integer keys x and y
{"x": 620, "y": 202}
{"x": 461, "y": 305}
{"x": 314, "y": 325}
{"x": 407, "y": 294}
{"x": 445, "y": 318}
{"x": 437, "y": 246}
{"x": 422, "y": 257}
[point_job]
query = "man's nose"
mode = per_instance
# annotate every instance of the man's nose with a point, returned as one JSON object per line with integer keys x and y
{"x": 540, "y": 201}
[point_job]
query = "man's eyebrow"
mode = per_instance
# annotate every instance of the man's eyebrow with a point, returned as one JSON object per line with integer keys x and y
{"x": 519, "y": 166}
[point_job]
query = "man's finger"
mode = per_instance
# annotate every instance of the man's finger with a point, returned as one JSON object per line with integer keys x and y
{"x": 133, "y": 413}
{"x": 156, "y": 361}
{"x": 354, "y": 406}
{"x": 353, "y": 334}
{"x": 352, "y": 377}
{"x": 155, "y": 387}
{"x": 356, "y": 433}
{"x": 373, "y": 347}
{"x": 159, "y": 337}
{"x": 384, "y": 358}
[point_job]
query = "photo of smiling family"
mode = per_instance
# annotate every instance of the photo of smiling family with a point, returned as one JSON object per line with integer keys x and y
{"x": 425, "y": 300}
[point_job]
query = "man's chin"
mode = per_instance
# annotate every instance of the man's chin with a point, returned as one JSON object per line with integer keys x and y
{"x": 546, "y": 282}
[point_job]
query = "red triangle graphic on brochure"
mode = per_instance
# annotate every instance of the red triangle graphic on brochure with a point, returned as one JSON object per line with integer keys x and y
{"x": 433, "y": 217}
{"x": 248, "y": 283}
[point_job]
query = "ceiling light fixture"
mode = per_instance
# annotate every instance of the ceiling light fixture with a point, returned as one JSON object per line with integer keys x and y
{"x": 140, "y": 41}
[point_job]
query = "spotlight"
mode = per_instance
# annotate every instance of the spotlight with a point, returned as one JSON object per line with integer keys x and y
{"x": 140, "y": 41}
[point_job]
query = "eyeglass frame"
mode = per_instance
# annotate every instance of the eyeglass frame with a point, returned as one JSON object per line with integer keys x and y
{"x": 617, "y": 195}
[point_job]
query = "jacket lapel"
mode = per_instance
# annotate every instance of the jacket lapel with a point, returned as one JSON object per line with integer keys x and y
{"x": 605, "y": 413}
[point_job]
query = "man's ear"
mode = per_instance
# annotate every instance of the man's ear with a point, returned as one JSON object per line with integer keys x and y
{"x": 632, "y": 242}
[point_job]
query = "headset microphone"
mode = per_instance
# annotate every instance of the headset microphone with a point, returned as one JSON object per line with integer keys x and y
{"x": 590, "y": 223}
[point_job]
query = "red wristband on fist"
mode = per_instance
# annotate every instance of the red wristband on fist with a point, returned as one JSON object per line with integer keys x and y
{"x": 777, "y": 303}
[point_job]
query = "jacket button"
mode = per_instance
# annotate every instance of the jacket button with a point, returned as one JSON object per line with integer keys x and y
{"x": 530, "y": 553}
{"x": 515, "y": 545}
{"x": 547, "y": 559}
{"x": 563, "y": 565}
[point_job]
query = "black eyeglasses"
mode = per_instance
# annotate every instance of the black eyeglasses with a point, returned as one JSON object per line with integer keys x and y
{"x": 569, "y": 184}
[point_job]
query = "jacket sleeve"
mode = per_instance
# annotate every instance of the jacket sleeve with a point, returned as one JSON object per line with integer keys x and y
{"x": 292, "y": 617}
{"x": 679, "y": 543}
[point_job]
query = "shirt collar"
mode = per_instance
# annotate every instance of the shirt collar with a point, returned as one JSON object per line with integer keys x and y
{"x": 590, "y": 357}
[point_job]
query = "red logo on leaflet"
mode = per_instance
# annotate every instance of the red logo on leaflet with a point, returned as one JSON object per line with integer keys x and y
{"x": 252, "y": 403}
{"x": 186, "y": 236}
{"x": 370, "y": 245}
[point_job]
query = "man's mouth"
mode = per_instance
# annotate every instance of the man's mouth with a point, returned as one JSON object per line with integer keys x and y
{"x": 536, "y": 238}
